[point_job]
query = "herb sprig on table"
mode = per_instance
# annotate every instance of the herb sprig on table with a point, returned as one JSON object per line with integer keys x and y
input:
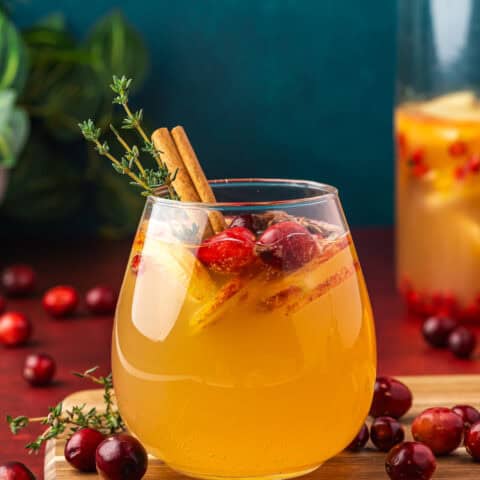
{"x": 62, "y": 421}
{"x": 148, "y": 179}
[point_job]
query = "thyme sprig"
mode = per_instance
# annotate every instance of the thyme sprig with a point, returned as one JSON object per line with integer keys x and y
{"x": 61, "y": 420}
{"x": 148, "y": 179}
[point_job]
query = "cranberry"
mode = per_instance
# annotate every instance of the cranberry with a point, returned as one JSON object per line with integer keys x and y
{"x": 462, "y": 342}
{"x": 437, "y": 329}
{"x": 15, "y": 329}
{"x": 60, "y": 301}
{"x": 474, "y": 163}
{"x": 39, "y": 369}
{"x": 360, "y": 440}
{"x": 386, "y": 432}
{"x": 286, "y": 246}
{"x": 458, "y": 148}
{"x": 410, "y": 461}
{"x": 136, "y": 264}
{"x": 417, "y": 157}
{"x": 101, "y": 300}
{"x": 120, "y": 455}
{"x": 472, "y": 441}
{"x": 244, "y": 221}
{"x": 18, "y": 279}
{"x": 391, "y": 398}
{"x": 15, "y": 471}
{"x": 460, "y": 172}
{"x": 3, "y": 304}
{"x": 420, "y": 170}
{"x": 80, "y": 449}
{"x": 469, "y": 414}
{"x": 228, "y": 251}
{"x": 439, "y": 428}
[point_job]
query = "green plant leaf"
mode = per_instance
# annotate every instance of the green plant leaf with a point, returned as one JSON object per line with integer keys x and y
{"x": 44, "y": 186}
{"x": 62, "y": 88}
{"x": 13, "y": 56}
{"x": 117, "y": 49}
{"x": 14, "y": 128}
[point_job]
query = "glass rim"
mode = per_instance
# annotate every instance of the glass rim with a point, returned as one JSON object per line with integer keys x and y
{"x": 326, "y": 192}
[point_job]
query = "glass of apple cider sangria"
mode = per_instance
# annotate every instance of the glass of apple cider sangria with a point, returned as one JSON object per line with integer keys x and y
{"x": 245, "y": 351}
{"x": 437, "y": 131}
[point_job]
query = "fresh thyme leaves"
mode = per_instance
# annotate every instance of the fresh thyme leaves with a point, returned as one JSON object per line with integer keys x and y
{"x": 60, "y": 420}
{"x": 149, "y": 180}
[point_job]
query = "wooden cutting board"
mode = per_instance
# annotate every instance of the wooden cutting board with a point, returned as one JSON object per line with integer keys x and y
{"x": 428, "y": 391}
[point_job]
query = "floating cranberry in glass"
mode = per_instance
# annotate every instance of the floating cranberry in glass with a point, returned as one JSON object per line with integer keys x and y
{"x": 462, "y": 342}
{"x": 360, "y": 440}
{"x": 60, "y": 301}
{"x": 391, "y": 398}
{"x": 469, "y": 414}
{"x": 439, "y": 428}
{"x": 3, "y": 304}
{"x": 385, "y": 432}
{"x": 39, "y": 369}
{"x": 15, "y": 471}
{"x": 18, "y": 280}
{"x": 15, "y": 329}
{"x": 472, "y": 441}
{"x": 81, "y": 447}
{"x": 101, "y": 300}
{"x": 120, "y": 457}
{"x": 436, "y": 330}
{"x": 286, "y": 246}
{"x": 410, "y": 461}
{"x": 228, "y": 251}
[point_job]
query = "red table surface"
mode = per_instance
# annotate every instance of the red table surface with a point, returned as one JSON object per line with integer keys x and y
{"x": 84, "y": 341}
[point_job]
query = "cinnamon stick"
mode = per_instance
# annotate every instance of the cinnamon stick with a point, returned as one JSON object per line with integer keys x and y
{"x": 195, "y": 171}
{"x": 190, "y": 182}
{"x": 183, "y": 184}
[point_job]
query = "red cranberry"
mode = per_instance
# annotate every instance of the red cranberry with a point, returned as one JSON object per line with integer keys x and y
{"x": 437, "y": 329}
{"x": 15, "y": 329}
{"x": 360, "y": 440}
{"x": 120, "y": 455}
{"x": 286, "y": 246}
{"x": 39, "y": 369}
{"x": 391, "y": 398}
{"x": 244, "y": 221}
{"x": 457, "y": 148}
{"x": 80, "y": 449}
{"x": 410, "y": 461}
{"x": 15, "y": 471}
{"x": 472, "y": 441}
{"x": 60, "y": 301}
{"x": 462, "y": 342}
{"x": 386, "y": 432}
{"x": 101, "y": 300}
{"x": 137, "y": 264}
{"x": 439, "y": 428}
{"x": 3, "y": 304}
{"x": 18, "y": 279}
{"x": 469, "y": 414}
{"x": 228, "y": 251}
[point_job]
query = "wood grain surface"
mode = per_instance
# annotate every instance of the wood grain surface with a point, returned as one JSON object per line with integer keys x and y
{"x": 428, "y": 391}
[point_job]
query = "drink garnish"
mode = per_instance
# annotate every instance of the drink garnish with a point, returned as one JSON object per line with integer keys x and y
{"x": 61, "y": 421}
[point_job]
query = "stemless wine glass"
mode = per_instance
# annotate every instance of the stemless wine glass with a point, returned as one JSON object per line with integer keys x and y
{"x": 249, "y": 353}
{"x": 437, "y": 127}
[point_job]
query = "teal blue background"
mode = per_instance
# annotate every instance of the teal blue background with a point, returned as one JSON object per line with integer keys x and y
{"x": 287, "y": 88}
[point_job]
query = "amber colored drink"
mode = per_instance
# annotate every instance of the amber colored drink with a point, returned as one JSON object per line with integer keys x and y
{"x": 261, "y": 373}
{"x": 438, "y": 204}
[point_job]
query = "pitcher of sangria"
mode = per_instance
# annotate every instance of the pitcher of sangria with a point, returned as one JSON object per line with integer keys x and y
{"x": 247, "y": 352}
{"x": 437, "y": 132}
